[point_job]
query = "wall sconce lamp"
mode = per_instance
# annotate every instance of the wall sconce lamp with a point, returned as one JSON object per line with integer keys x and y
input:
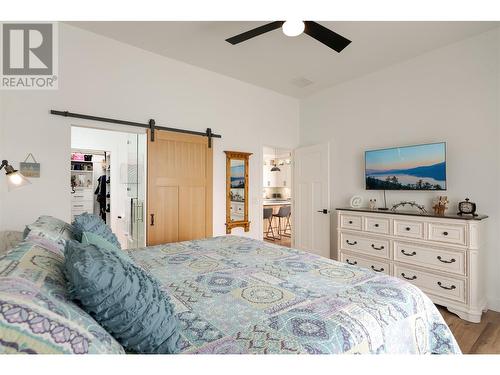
{"x": 14, "y": 178}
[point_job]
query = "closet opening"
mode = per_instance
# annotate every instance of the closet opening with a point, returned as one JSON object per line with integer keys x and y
{"x": 108, "y": 179}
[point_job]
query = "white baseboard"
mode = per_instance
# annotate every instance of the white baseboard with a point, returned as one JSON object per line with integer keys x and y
{"x": 494, "y": 304}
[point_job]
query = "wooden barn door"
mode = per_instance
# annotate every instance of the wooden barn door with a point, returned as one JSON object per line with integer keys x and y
{"x": 179, "y": 198}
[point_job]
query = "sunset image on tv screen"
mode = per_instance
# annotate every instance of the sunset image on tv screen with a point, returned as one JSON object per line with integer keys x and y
{"x": 421, "y": 167}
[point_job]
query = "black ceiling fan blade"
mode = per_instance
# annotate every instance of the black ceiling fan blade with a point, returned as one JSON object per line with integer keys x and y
{"x": 326, "y": 36}
{"x": 255, "y": 32}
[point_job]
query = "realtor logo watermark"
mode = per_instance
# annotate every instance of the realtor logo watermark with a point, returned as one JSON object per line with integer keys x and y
{"x": 29, "y": 58}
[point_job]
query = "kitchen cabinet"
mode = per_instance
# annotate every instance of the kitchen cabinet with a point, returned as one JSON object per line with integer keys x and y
{"x": 269, "y": 179}
{"x": 277, "y": 179}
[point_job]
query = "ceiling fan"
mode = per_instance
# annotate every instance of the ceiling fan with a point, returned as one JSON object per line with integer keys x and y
{"x": 294, "y": 28}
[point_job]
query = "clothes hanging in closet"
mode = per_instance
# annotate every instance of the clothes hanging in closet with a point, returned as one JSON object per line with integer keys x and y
{"x": 101, "y": 196}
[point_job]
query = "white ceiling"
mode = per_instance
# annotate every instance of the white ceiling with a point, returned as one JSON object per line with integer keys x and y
{"x": 275, "y": 61}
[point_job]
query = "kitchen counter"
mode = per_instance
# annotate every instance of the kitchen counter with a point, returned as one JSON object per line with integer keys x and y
{"x": 277, "y": 202}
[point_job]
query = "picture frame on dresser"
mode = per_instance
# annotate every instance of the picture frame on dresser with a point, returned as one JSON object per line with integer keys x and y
{"x": 441, "y": 255}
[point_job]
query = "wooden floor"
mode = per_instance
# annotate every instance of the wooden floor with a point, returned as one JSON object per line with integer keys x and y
{"x": 285, "y": 241}
{"x": 475, "y": 338}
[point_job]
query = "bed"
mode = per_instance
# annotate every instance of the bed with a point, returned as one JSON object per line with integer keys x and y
{"x": 238, "y": 295}
{"x": 231, "y": 295}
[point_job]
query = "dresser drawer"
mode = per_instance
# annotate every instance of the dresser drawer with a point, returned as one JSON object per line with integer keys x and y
{"x": 447, "y": 287}
{"x": 410, "y": 229}
{"x": 365, "y": 245}
{"x": 82, "y": 195}
{"x": 448, "y": 233}
{"x": 82, "y": 206}
{"x": 377, "y": 225}
{"x": 374, "y": 265}
{"x": 439, "y": 259}
{"x": 351, "y": 222}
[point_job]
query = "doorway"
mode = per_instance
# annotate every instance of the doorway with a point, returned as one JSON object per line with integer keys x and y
{"x": 312, "y": 199}
{"x": 277, "y": 194}
{"x": 108, "y": 179}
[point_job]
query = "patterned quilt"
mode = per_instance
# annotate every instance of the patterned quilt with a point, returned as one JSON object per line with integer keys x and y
{"x": 238, "y": 295}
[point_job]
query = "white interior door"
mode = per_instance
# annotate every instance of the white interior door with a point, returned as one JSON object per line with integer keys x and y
{"x": 312, "y": 199}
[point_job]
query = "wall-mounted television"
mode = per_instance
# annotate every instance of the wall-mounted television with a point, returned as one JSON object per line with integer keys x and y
{"x": 420, "y": 167}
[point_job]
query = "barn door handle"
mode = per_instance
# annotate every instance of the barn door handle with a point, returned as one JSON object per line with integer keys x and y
{"x": 152, "y": 219}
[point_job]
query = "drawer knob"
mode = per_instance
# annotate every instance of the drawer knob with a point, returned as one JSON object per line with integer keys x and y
{"x": 377, "y": 270}
{"x": 351, "y": 263}
{"x": 377, "y": 248}
{"x": 447, "y": 287}
{"x": 452, "y": 260}
{"x": 445, "y": 233}
{"x": 409, "y": 278}
{"x": 376, "y": 225}
{"x": 408, "y": 254}
{"x": 408, "y": 229}
{"x": 350, "y": 221}
{"x": 351, "y": 243}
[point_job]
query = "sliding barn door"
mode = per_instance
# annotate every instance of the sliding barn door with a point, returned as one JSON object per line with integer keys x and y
{"x": 179, "y": 188}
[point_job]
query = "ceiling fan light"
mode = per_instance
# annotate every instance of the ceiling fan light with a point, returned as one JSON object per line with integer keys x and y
{"x": 293, "y": 28}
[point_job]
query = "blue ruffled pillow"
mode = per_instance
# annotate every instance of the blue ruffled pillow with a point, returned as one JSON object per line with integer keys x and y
{"x": 91, "y": 223}
{"x": 123, "y": 298}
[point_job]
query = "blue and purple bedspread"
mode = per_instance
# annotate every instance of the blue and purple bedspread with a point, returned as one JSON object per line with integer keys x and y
{"x": 238, "y": 295}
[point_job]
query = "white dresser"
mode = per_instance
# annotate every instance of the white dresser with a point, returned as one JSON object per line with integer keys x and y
{"x": 440, "y": 255}
{"x": 82, "y": 200}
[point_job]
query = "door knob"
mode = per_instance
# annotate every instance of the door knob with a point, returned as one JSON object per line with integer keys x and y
{"x": 323, "y": 211}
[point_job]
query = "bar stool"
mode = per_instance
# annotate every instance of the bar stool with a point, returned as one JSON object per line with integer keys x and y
{"x": 284, "y": 212}
{"x": 268, "y": 214}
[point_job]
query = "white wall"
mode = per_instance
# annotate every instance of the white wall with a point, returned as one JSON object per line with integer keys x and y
{"x": 450, "y": 94}
{"x": 103, "y": 77}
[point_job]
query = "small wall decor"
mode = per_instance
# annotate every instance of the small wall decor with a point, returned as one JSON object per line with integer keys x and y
{"x": 30, "y": 169}
{"x": 372, "y": 204}
{"x": 411, "y": 204}
{"x": 440, "y": 205}
{"x": 356, "y": 201}
{"x": 467, "y": 208}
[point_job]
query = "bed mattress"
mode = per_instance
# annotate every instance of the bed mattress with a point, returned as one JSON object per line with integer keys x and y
{"x": 239, "y": 295}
